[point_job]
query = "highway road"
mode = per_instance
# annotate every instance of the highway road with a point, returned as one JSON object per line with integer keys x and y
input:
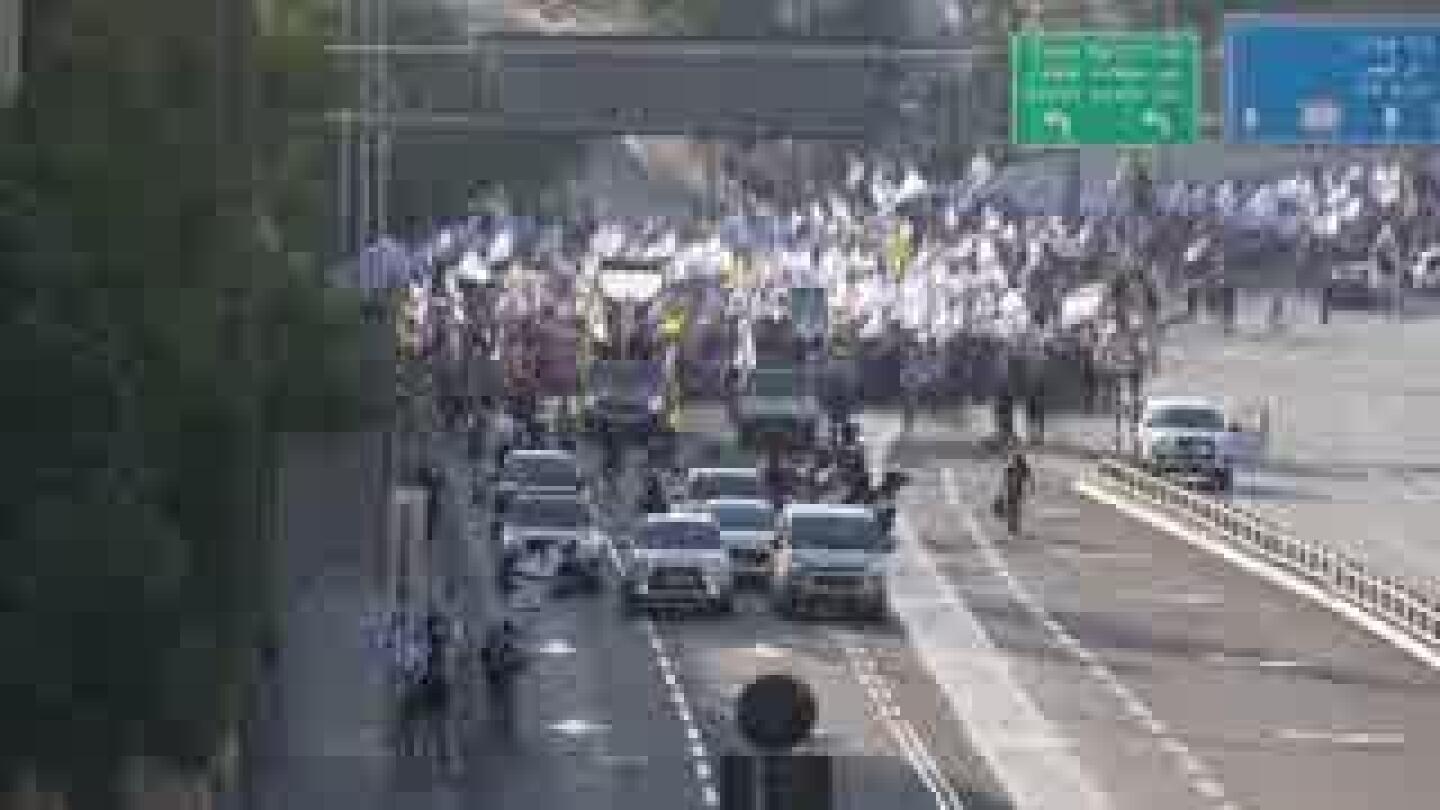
{"x": 620, "y": 711}
{"x": 1175, "y": 680}
{"x": 1093, "y": 663}
{"x": 1354, "y": 452}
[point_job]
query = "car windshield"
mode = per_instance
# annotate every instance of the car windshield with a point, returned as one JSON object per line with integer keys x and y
{"x": 1187, "y": 419}
{"x": 679, "y": 535}
{"x": 544, "y": 472}
{"x": 548, "y": 513}
{"x": 774, "y": 384}
{"x": 743, "y": 517}
{"x": 834, "y": 531}
{"x": 726, "y": 485}
{"x": 622, "y": 378}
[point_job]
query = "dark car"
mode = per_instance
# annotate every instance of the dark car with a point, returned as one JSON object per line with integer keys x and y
{"x": 777, "y": 404}
{"x": 626, "y": 396}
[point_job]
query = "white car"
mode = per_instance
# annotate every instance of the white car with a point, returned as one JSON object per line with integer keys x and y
{"x": 556, "y": 525}
{"x": 677, "y": 559}
{"x": 1425, "y": 275}
{"x": 831, "y": 555}
{"x": 747, "y": 527}
{"x": 1188, "y": 439}
{"x": 709, "y": 483}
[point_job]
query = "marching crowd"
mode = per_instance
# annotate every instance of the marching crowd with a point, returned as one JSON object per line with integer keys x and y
{"x": 950, "y": 290}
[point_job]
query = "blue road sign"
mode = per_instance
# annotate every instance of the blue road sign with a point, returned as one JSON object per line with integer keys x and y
{"x": 1352, "y": 81}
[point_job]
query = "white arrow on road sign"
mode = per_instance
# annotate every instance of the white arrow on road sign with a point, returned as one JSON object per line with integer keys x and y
{"x": 1058, "y": 120}
{"x": 1252, "y": 118}
{"x": 1391, "y": 117}
{"x": 1158, "y": 120}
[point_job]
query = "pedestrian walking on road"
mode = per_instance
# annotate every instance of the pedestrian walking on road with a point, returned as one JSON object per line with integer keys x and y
{"x": 1016, "y": 484}
{"x": 502, "y": 660}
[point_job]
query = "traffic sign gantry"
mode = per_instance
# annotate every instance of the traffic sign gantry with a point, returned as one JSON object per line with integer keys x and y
{"x": 1354, "y": 81}
{"x": 1104, "y": 88}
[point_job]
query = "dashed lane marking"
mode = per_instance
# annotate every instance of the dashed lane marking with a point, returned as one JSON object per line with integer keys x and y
{"x": 1200, "y": 776}
{"x": 698, "y": 754}
{"x": 555, "y": 646}
{"x": 1344, "y": 738}
{"x": 578, "y": 727}
{"x": 981, "y": 686}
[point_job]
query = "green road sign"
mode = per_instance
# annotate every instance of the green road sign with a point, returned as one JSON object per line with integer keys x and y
{"x": 1110, "y": 88}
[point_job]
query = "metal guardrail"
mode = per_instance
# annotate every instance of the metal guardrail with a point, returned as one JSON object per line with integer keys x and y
{"x": 1405, "y": 605}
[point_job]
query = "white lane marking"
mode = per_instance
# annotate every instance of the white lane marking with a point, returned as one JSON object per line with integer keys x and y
{"x": 1225, "y": 659}
{"x": 555, "y": 646}
{"x": 1193, "y": 767}
{"x": 979, "y": 682}
{"x": 763, "y": 650}
{"x": 577, "y": 727}
{"x": 1357, "y": 738}
{"x": 1280, "y": 664}
{"x": 699, "y": 756}
{"x": 1209, "y": 788}
{"x": 1090, "y": 555}
{"x": 1272, "y": 574}
{"x": 882, "y": 702}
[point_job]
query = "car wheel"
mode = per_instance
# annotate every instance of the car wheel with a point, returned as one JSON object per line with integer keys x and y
{"x": 1223, "y": 481}
{"x": 725, "y": 605}
{"x": 786, "y": 607}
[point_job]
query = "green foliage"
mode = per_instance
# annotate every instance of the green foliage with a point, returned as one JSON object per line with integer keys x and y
{"x": 159, "y": 339}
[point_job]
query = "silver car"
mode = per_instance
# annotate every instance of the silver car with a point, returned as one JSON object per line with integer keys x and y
{"x": 678, "y": 560}
{"x": 831, "y": 555}
{"x": 747, "y": 528}
{"x": 559, "y": 526}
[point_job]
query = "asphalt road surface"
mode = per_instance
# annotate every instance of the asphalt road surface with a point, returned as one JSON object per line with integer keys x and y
{"x": 1353, "y": 457}
{"x": 620, "y": 711}
{"x": 1174, "y": 680}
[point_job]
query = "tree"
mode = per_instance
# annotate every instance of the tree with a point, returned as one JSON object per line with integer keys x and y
{"x": 162, "y": 306}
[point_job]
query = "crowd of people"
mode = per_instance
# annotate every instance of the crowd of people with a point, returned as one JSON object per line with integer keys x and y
{"x": 945, "y": 291}
{"x": 930, "y": 289}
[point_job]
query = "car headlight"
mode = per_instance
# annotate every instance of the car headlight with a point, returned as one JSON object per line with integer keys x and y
{"x": 656, "y": 403}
